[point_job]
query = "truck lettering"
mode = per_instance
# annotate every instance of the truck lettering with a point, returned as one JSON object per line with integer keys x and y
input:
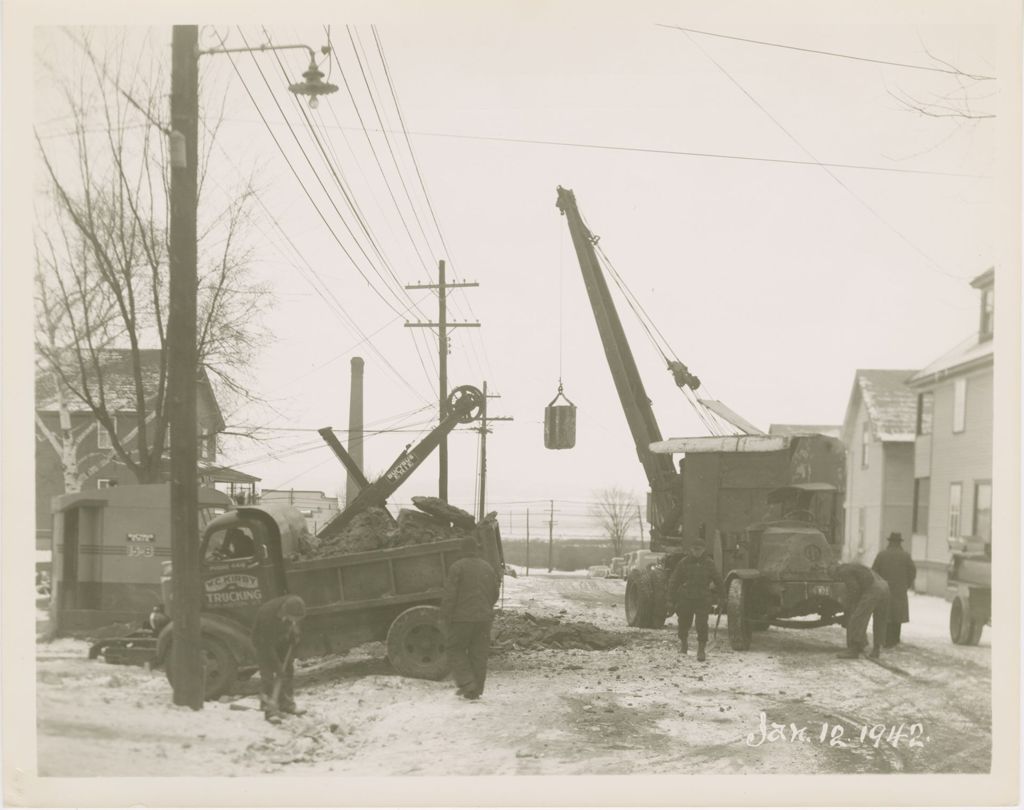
{"x": 402, "y": 466}
{"x": 230, "y": 597}
{"x": 245, "y": 581}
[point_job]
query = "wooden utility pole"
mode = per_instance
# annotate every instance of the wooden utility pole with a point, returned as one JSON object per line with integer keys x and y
{"x": 442, "y": 326}
{"x": 527, "y": 541}
{"x": 640, "y": 520}
{"x": 484, "y": 430}
{"x": 182, "y": 369}
{"x": 551, "y": 538}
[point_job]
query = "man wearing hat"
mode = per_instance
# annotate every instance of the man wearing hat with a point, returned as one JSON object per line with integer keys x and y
{"x": 276, "y": 634}
{"x": 467, "y": 610}
{"x": 897, "y": 568}
{"x": 691, "y": 589}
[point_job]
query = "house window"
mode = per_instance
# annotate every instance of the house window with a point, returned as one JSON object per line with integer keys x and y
{"x": 106, "y": 483}
{"x": 865, "y": 441}
{"x": 103, "y": 435}
{"x": 922, "y": 490}
{"x": 983, "y": 510}
{"x": 207, "y": 447}
{"x": 862, "y": 518}
{"x": 955, "y": 496}
{"x": 959, "y": 405}
{"x": 987, "y": 313}
{"x": 925, "y": 404}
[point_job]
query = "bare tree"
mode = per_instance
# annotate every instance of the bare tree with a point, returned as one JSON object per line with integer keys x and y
{"x": 615, "y": 509}
{"x": 102, "y": 263}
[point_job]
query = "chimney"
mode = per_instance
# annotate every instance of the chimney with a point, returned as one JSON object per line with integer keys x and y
{"x": 355, "y": 426}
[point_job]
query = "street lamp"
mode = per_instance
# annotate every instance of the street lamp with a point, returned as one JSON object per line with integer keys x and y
{"x": 314, "y": 85}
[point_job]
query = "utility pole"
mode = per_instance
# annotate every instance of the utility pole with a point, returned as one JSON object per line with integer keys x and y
{"x": 182, "y": 368}
{"x": 527, "y": 541}
{"x": 484, "y": 430}
{"x": 640, "y": 520}
{"x": 442, "y": 326}
{"x": 551, "y": 538}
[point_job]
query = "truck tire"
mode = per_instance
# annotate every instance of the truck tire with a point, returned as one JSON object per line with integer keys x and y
{"x": 659, "y": 597}
{"x": 963, "y": 628}
{"x": 736, "y": 608}
{"x": 415, "y": 644}
{"x": 637, "y": 609}
{"x": 219, "y": 666}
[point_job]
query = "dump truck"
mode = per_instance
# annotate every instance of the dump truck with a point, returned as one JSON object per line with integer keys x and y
{"x": 769, "y": 507}
{"x": 969, "y": 580}
{"x": 387, "y": 593}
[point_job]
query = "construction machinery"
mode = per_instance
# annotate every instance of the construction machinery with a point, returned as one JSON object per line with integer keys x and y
{"x": 769, "y": 507}
{"x": 389, "y": 594}
{"x": 970, "y": 581}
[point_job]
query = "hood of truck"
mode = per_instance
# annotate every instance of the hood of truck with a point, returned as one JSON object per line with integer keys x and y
{"x": 789, "y": 550}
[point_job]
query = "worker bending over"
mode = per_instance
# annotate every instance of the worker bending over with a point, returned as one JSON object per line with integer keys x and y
{"x": 276, "y": 635}
{"x": 867, "y": 597}
{"x": 467, "y": 611}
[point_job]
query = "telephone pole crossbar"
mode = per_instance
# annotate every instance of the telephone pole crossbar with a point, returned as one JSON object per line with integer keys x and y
{"x": 483, "y": 430}
{"x": 442, "y": 325}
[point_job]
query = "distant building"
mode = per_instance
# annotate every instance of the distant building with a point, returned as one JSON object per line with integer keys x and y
{"x": 878, "y": 432}
{"x": 953, "y": 447}
{"x": 834, "y": 431}
{"x": 315, "y": 507}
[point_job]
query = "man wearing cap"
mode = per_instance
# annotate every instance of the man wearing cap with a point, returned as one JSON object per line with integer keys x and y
{"x": 467, "y": 610}
{"x": 276, "y": 635}
{"x": 867, "y": 598}
{"x": 691, "y": 589}
{"x": 897, "y": 568}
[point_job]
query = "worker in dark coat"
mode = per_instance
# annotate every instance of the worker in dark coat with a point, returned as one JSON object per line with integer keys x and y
{"x": 692, "y": 588}
{"x": 467, "y": 610}
{"x": 275, "y": 635}
{"x": 897, "y": 568}
{"x": 867, "y": 598}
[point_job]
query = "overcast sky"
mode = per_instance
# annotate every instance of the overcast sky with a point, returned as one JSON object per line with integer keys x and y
{"x": 772, "y": 280}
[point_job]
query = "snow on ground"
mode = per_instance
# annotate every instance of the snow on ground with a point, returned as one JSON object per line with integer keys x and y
{"x": 641, "y": 708}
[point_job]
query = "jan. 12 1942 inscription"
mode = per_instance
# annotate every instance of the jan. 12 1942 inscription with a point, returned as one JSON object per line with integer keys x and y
{"x": 838, "y": 735}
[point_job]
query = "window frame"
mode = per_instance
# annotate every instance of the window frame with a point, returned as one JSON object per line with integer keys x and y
{"x": 986, "y": 327}
{"x": 929, "y": 397}
{"x": 975, "y": 511}
{"x": 865, "y": 443}
{"x": 960, "y": 405}
{"x": 103, "y": 437}
{"x": 955, "y": 515}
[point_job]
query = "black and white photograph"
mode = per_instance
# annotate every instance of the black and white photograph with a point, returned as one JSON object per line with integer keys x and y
{"x": 513, "y": 390}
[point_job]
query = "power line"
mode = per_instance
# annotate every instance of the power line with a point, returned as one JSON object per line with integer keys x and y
{"x": 952, "y": 72}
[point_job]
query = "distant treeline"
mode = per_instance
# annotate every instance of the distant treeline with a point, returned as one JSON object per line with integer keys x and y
{"x": 567, "y": 555}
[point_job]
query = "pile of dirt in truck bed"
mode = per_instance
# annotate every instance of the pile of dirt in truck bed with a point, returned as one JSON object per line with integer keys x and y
{"x": 374, "y": 528}
{"x": 524, "y": 631}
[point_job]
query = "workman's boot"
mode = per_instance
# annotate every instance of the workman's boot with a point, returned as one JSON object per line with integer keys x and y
{"x": 700, "y": 651}
{"x": 682, "y": 646}
{"x": 848, "y": 654}
{"x": 875, "y": 653}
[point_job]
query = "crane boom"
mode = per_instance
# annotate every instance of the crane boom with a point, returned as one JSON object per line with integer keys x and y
{"x": 659, "y": 469}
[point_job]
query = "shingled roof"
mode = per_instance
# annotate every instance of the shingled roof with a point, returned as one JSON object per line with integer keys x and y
{"x": 119, "y": 383}
{"x": 890, "y": 403}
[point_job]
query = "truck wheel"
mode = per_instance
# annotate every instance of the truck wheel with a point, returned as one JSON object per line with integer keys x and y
{"x": 659, "y": 597}
{"x": 975, "y": 635}
{"x": 415, "y": 644}
{"x": 739, "y": 624}
{"x": 960, "y": 625}
{"x": 637, "y": 609}
{"x": 219, "y": 666}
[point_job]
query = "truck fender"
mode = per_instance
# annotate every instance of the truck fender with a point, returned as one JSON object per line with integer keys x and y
{"x": 231, "y": 632}
{"x": 742, "y": 573}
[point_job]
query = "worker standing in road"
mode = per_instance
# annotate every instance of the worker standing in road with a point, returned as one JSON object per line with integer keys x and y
{"x": 276, "y": 635}
{"x": 467, "y": 610}
{"x": 691, "y": 589}
{"x": 867, "y": 598}
{"x": 897, "y": 568}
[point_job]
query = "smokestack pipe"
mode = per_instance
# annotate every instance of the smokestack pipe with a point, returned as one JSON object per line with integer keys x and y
{"x": 355, "y": 426}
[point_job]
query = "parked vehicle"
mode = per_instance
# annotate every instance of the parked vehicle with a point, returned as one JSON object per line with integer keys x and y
{"x": 640, "y": 559}
{"x": 970, "y": 581}
{"x": 769, "y": 507}
{"x": 616, "y": 568}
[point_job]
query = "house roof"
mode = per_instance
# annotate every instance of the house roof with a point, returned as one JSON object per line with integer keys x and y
{"x": 803, "y": 430}
{"x": 965, "y": 355}
{"x": 890, "y": 403}
{"x": 119, "y": 384}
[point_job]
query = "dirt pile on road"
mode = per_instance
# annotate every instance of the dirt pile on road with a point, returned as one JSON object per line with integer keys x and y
{"x": 374, "y": 528}
{"x": 524, "y": 631}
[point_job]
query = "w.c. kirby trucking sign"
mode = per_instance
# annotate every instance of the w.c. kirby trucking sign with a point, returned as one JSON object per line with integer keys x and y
{"x": 228, "y": 589}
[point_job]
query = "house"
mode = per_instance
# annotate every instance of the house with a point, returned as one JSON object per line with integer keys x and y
{"x": 91, "y": 449}
{"x": 315, "y": 507}
{"x": 878, "y": 432}
{"x": 953, "y": 447}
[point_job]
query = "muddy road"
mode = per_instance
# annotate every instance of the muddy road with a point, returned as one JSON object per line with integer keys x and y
{"x": 786, "y": 706}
